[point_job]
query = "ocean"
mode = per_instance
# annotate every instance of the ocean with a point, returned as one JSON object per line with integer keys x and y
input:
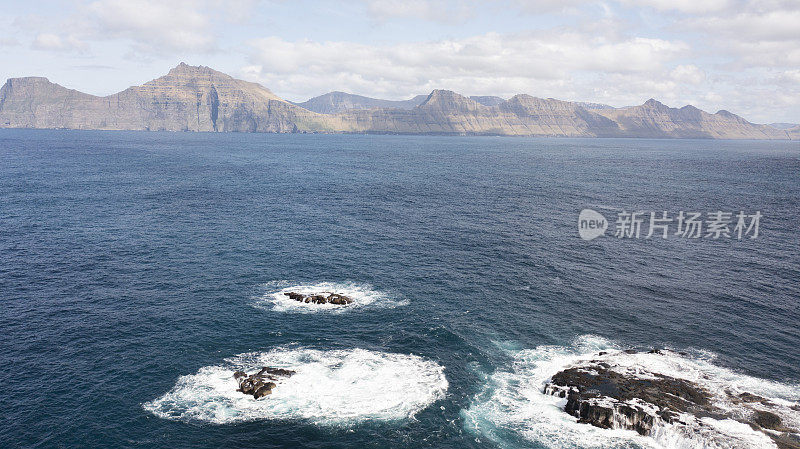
{"x": 138, "y": 270}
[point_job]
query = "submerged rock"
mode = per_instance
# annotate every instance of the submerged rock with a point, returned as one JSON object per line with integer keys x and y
{"x": 261, "y": 383}
{"x": 610, "y": 396}
{"x": 767, "y": 420}
{"x": 320, "y": 298}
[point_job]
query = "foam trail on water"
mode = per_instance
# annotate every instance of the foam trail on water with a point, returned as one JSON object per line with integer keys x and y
{"x": 512, "y": 407}
{"x": 363, "y": 296}
{"x": 330, "y": 388}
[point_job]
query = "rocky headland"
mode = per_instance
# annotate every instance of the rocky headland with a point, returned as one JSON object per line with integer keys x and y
{"x": 198, "y": 98}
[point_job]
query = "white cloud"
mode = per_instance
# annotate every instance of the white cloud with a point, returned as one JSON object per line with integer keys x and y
{"x": 433, "y": 10}
{"x": 772, "y": 25}
{"x": 461, "y": 10}
{"x": 238, "y": 11}
{"x": 485, "y": 64}
{"x": 154, "y": 26}
{"x": 8, "y": 42}
{"x": 790, "y": 78}
{"x": 546, "y": 6}
{"x": 54, "y": 42}
{"x": 684, "y": 6}
{"x": 688, "y": 73}
{"x": 759, "y": 34}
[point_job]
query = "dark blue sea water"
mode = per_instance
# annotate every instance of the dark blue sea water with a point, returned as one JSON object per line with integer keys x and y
{"x": 128, "y": 260}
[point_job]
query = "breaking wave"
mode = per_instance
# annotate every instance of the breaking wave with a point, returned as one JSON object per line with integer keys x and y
{"x": 340, "y": 387}
{"x": 512, "y": 409}
{"x": 363, "y": 295}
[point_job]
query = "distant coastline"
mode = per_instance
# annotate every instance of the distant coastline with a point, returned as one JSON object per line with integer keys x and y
{"x": 198, "y": 98}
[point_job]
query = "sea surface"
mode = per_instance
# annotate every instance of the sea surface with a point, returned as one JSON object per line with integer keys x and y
{"x": 138, "y": 270}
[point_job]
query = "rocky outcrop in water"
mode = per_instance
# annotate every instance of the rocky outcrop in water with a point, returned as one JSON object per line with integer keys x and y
{"x": 609, "y": 396}
{"x": 198, "y": 98}
{"x": 262, "y": 383}
{"x": 320, "y": 298}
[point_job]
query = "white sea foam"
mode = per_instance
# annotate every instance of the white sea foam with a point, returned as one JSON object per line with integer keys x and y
{"x": 341, "y": 387}
{"x": 363, "y": 296}
{"x": 513, "y": 406}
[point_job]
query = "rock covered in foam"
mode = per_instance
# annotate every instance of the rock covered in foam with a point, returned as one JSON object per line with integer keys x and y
{"x": 320, "y": 298}
{"x": 260, "y": 384}
{"x": 607, "y": 396}
{"x": 329, "y": 388}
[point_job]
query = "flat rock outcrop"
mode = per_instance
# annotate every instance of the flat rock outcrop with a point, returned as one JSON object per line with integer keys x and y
{"x": 320, "y": 298}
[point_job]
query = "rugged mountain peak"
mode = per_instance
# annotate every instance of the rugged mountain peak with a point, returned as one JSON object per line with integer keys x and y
{"x": 528, "y": 102}
{"x": 654, "y": 119}
{"x": 29, "y": 80}
{"x": 35, "y": 90}
{"x": 655, "y": 104}
{"x": 32, "y": 82}
{"x": 521, "y": 98}
{"x": 449, "y": 101}
{"x": 525, "y": 98}
{"x": 179, "y": 68}
{"x": 442, "y": 95}
{"x": 187, "y": 81}
{"x": 730, "y": 116}
{"x": 590, "y": 106}
{"x": 338, "y": 101}
{"x": 184, "y": 69}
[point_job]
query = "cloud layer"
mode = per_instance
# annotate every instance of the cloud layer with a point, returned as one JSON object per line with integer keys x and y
{"x": 551, "y": 61}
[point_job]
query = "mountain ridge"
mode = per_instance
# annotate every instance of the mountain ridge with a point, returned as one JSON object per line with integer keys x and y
{"x": 199, "y": 98}
{"x": 337, "y": 101}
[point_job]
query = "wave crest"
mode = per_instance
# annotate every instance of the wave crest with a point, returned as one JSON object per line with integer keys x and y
{"x": 339, "y": 387}
{"x": 363, "y": 296}
{"x": 512, "y": 405}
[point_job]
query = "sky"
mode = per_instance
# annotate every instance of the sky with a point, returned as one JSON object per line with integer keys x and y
{"x": 742, "y": 56}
